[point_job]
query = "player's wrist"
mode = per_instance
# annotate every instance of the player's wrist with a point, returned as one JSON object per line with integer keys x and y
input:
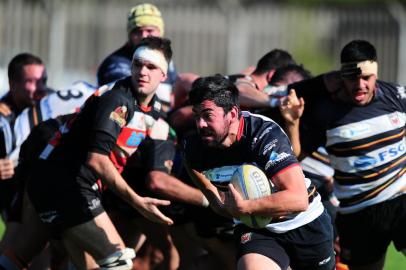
{"x": 292, "y": 123}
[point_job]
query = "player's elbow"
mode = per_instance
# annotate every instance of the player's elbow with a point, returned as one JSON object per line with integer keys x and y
{"x": 95, "y": 161}
{"x": 155, "y": 182}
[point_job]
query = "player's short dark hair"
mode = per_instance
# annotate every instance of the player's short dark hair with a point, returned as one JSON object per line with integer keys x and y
{"x": 157, "y": 43}
{"x": 273, "y": 60}
{"x": 282, "y": 74}
{"x": 357, "y": 51}
{"x": 217, "y": 89}
{"x": 16, "y": 65}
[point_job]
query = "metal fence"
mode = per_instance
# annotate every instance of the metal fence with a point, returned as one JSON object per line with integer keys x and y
{"x": 208, "y": 37}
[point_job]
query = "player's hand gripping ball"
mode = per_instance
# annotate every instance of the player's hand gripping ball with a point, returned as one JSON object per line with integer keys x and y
{"x": 252, "y": 183}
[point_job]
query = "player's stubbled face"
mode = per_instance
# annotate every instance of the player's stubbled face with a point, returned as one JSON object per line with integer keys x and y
{"x": 212, "y": 123}
{"x": 360, "y": 89}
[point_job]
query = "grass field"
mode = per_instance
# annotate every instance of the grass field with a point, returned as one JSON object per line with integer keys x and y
{"x": 394, "y": 260}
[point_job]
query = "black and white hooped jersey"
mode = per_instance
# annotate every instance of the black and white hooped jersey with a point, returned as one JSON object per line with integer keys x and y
{"x": 51, "y": 106}
{"x": 366, "y": 145}
{"x": 262, "y": 142}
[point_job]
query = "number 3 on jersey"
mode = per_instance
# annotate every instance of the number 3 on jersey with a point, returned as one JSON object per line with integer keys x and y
{"x": 69, "y": 93}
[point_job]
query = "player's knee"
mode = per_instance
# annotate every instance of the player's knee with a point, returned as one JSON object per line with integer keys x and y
{"x": 119, "y": 260}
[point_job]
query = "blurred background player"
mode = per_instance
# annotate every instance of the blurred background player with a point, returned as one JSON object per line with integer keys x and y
{"x": 143, "y": 20}
{"x": 358, "y": 118}
{"x": 250, "y": 88}
{"x": 27, "y": 80}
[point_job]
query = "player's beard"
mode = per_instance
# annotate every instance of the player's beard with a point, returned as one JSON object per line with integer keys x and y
{"x": 218, "y": 139}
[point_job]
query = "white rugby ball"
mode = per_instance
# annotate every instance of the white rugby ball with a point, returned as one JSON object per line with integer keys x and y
{"x": 252, "y": 183}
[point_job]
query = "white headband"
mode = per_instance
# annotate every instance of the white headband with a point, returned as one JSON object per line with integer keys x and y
{"x": 153, "y": 56}
{"x": 367, "y": 67}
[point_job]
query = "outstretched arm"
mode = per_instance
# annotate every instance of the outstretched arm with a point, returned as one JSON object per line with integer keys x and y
{"x": 173, "y": 188}
{"x": 148, "y": 207}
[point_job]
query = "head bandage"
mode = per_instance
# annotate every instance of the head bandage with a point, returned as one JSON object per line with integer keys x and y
{"x": 367, "y": 67}
{"x": 153, "y": 56}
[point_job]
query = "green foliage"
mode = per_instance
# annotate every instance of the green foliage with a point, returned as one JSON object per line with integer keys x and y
{"x": 394, "y": 260}
{"x": 1, "y": 228}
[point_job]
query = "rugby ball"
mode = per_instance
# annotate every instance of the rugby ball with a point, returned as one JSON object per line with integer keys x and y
{"x": 252, "y": 183}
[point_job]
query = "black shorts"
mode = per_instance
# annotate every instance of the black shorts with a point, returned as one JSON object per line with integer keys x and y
{"x": 8, "y": 189}
{"x": 307, "y": 247}
{"x": 365, "y": 235}
{"x": 61, "y": 200}
{"x": 208, "y": 224}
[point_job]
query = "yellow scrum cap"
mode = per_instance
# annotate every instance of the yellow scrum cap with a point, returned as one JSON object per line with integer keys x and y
{"x": 145, "y": 15}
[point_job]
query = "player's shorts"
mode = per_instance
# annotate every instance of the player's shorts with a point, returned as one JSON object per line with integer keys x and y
{"x": 8, "y": 189}
{"x": 208, "y": 224}
{"x": 61, "y": 200}
{"x": 365, "y": 235}
{"x": 307, "y": 247}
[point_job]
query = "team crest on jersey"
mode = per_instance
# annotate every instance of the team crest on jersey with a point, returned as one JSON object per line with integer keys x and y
{"x": 245, "y": 237}
{"x": 119, "y": 115}
{"x": 394, "y": 119}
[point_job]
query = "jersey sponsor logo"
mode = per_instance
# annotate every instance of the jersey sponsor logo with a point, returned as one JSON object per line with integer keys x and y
{"x": 275, "y": 158}
{"x": 135, "y": 138}
{"x": 268, "y": 147}
{"x": 266, "y": 131}
{"x": 48, "y": 217}
{"x": 95, "y": 203}
{"x": 359, "y": 129}
{"x": 119, "y": 115}
{"x": 367, "y": 162}
{"x": 221, "y": 174}
{"x": 364, "y": 162}
{"x": 245, "y": 237}
{"x": 392, "y": 152}
{"x": 401, "y": 92}
{"x": 326, "y": 260}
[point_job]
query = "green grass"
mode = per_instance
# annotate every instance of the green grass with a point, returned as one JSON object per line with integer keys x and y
{"x": 1, "y": 227}
{"x": 394, "y": 260}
